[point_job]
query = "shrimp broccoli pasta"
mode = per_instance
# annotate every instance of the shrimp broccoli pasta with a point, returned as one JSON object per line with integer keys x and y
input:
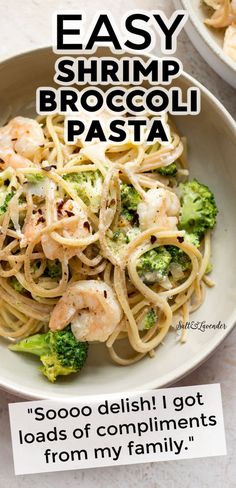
{"x": 223, "y": 16}
{"x": 98, "y": 243}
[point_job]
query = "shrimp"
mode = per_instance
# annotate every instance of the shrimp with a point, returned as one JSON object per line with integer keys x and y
{"x": 77, "y": 229}
{"x": 92, "y": 309}
{"x": 215, "y": 4}
{"x": 223, "y": 16}
{"x": 19, "y": 140}
{"x": 230, "y": 42}
{"x": 33, "y": 227}
{"x": 160, "y": 208}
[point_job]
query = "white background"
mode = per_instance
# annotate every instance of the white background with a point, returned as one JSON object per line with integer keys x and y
{"x": 24, "y": 25}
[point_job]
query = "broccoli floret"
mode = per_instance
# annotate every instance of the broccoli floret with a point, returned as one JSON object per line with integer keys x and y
{"x": 88, "y": 185}
{"x": 127, "y": 214}
{"x": 198, "y": 208}
{"x": 59, "y": 352}
{"x": 4, "y": 206}
{"x": 130, "y": 199}
{"x": 154, "y": 265}
{"x": 179, "y": 257}
{"x": 170, "y": 170}
{"x": 124, "y": 236}
{"x": 149, "y": 319}
{"x": 53, "y": 269}
{"x": 133, "y": 233}
{"x": 120, "y": 237}
{"x": 192, "y": 239}
{"x": 17, "y": 285}
{"x": 34, "y": 177}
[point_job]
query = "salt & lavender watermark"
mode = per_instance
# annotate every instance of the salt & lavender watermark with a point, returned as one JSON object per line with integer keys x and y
{"x": 200, "y": 325}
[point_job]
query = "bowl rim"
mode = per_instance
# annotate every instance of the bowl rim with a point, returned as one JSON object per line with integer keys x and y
{"x": 205, "y": 34}
{"x": 188, "y": 366}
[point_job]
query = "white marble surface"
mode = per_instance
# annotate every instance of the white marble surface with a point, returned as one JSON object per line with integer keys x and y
{"x": 25, "y": 25}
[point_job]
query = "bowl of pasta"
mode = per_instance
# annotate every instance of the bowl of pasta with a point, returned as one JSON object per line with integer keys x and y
{"x": 117, "y": 262}
{"x": 212, "y": 29}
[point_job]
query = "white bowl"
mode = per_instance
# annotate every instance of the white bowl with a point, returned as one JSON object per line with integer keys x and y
{"x": 212, "y": 142}
{"x": 207, "y": 41}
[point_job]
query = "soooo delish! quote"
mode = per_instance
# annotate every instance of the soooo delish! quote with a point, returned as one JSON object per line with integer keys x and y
{"x": 158, "y": 425}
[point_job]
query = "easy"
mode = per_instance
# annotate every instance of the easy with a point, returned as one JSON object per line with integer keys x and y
{"x": 136, "y": 32}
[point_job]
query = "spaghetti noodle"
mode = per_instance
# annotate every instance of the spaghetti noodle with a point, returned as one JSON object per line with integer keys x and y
{"x": 55, "y": 236}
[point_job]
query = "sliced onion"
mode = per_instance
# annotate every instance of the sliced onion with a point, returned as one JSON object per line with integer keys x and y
{"x": 176, "y": 271}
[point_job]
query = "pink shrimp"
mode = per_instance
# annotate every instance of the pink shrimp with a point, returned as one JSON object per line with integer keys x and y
{"x": 19, "y": 140}
{"x": 224, "y": 15}
{"x": 92, "y": 309}
{"x": 77, "y": 229}
{"x": 160, "y": 208}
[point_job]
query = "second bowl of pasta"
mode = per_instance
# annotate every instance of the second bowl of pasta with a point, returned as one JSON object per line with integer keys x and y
{"x": 211, "y": 28}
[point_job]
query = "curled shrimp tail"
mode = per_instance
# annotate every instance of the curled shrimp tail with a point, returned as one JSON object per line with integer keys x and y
{"x": 92, "y": 309}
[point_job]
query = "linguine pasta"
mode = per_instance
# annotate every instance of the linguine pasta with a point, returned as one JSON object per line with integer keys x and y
{"x": 52, "y": 236}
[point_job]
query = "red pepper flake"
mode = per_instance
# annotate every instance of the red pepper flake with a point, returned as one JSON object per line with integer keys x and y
{"x": 60, "y": 206}
{"x": 40, "y": 219}
{"x": 180, "y": 239}
{"x": 86, "y": 225}
{"x": 40, "y": 211}
{"x": 70, "y": 214}
{"x": 135, "y": 219}
{"x": 105, "y": 293}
